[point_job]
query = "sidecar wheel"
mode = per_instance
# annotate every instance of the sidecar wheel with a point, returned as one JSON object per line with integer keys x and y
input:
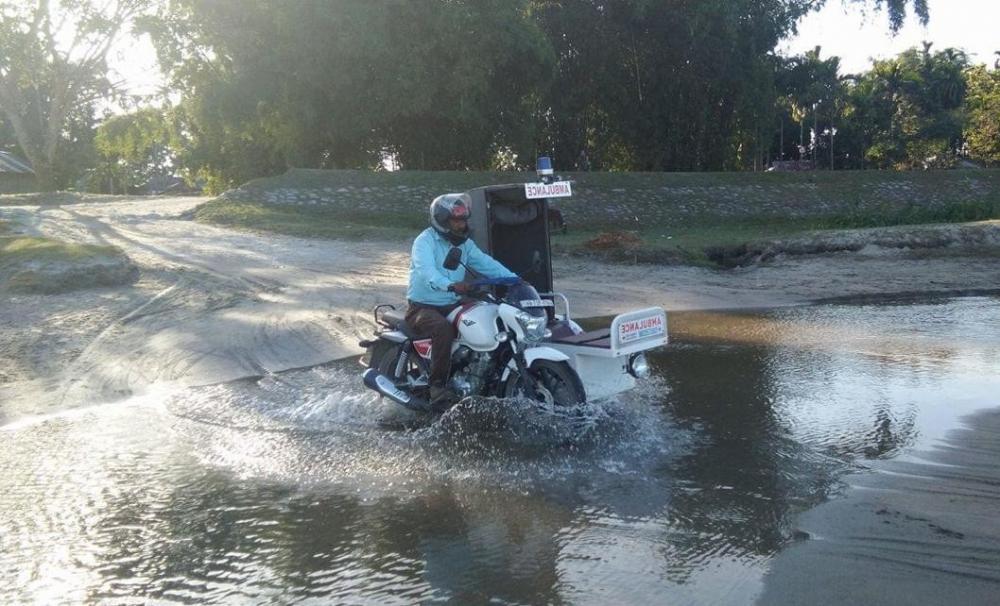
{"x": 557, "y": 384}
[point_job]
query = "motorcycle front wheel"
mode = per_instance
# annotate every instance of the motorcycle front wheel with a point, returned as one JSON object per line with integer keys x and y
{"x": 555, "y": 384}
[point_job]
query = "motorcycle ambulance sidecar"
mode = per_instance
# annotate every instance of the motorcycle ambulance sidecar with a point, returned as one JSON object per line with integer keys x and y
{"x": 511, "y": 223}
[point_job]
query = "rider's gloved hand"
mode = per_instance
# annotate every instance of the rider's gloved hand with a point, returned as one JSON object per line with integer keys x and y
{"x": 462, "y": 288}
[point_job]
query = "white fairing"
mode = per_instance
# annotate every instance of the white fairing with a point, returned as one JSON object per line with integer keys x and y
{"x": 507, "y": 313}
{"x": 536, "y": 353}
{"x": 477, "y": 326}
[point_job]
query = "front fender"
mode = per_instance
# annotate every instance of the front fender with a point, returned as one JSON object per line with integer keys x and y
{"x": 535, "y": 353}
{"x": 543, "y": 353}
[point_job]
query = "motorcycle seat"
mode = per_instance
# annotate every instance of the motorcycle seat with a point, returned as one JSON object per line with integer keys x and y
{"x": 397, "y": 320}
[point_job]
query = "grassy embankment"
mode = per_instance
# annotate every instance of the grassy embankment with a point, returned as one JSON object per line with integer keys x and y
{"x": 27, "y": 263}
{"x": 675, "y": 216}
{"x": 16, "y": 248}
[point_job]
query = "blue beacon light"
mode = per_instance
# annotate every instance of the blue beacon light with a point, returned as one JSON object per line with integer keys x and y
{"x": 544, "y": 168}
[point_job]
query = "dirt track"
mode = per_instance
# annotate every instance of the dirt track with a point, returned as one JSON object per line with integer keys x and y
{"x": 213, "y": 305}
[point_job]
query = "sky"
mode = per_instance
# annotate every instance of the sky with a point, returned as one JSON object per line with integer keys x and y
{"x": 972, "y": 25}
{"x": 133, "y": 61}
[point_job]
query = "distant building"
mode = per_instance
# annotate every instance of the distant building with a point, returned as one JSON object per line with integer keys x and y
{"x": 16, "y": 177}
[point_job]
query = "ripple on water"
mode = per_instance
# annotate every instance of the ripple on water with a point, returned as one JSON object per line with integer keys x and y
{"x": 287, "y": 488}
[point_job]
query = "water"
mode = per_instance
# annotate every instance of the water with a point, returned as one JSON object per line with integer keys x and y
{"x": 286, "y": 490}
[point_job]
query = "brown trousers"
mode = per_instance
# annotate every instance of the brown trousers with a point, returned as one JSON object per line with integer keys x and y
{"x": 431, "y": 321}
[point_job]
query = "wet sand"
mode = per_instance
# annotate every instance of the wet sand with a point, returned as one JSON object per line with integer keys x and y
{"x": 922, "y": 529}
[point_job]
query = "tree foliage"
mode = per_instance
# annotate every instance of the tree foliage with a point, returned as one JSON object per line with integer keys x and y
{"x": 810, "y": 92}
{"x": 910, "y": 109}
{"x": 433, "y": 84}
{"x": 982, "y": 130}
{"x": 477, "y": 84}
{"x": 467, "y": 84}
{"x": 897, "y": 10}
{"x": 133, "y": 148}
{"x": 49, "y": 82}
{"x": 656, "y": 85}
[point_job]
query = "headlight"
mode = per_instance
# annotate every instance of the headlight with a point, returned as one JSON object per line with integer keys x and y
{"x": 534, "y": 326}
{"x": 637, "y": 366}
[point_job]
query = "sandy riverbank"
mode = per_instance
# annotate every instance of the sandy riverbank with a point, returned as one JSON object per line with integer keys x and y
{"x": 918, "y": 530}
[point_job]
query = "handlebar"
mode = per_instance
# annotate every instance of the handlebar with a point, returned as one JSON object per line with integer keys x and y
{"x": 479, "y": 289}
{"x": 495, "y": 282}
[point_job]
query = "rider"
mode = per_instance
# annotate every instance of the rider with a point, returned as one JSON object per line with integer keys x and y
{"x": 434, "y": 291}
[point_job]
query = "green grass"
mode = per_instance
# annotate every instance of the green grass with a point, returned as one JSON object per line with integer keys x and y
{"x": 679, "y": 217}
{"x": 958, "y": 212}
{"x": 45, "y": 266}
{"x": 685, "y": 244}
{"x": 20, "y": 249}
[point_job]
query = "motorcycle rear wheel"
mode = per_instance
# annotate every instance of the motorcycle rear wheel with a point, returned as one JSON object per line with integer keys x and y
{"x": 386, "y": 362}
{"x": 556, "y": 384}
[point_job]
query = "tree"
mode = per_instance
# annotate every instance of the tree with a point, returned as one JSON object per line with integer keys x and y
{"x": 814, "y": 88}
{"x": 897, "y": 10}
{"x": 44, "y": 80}
{"x": 133, "y": 148}
{"x": 437, "y": 85}
{"x": 912, "y": 107}
{"x": 982, "y": 130}
{"x": 638, "y": 84}
{"x": 663, "y": 84}
{"x": 8, "y": 140}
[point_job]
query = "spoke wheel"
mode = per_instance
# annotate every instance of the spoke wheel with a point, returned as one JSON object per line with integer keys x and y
{"x": 555, "y": 384}
{"x": 389, "y": 365}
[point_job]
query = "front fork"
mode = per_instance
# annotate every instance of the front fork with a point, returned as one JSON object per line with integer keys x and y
{"x": 524, "y": 378}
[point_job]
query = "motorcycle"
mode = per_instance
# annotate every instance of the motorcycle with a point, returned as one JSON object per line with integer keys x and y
{"x": 499, "y": 351}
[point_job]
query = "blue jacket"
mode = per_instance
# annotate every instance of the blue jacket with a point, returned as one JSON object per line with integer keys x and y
{"x": 429, "y": 280}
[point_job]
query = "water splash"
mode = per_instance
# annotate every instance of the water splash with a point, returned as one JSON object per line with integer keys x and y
{"x": 320, "y": 425}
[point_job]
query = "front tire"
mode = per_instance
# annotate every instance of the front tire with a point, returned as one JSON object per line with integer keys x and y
{"x": 556, "y": 384}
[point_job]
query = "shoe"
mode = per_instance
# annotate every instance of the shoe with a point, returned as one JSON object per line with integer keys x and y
{"x": 442, "y": 398}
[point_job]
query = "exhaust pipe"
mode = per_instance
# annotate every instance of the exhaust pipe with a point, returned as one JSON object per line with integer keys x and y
{"x": 382, "y": 384}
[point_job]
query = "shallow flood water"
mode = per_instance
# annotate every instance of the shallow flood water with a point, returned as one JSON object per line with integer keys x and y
{"x": 286, "y": 490}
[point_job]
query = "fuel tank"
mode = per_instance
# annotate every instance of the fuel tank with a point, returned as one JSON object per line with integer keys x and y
{"x": 477, "y": 325}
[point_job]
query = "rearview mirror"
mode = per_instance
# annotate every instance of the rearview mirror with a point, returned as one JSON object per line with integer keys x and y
{"x": 453, "y": 258}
